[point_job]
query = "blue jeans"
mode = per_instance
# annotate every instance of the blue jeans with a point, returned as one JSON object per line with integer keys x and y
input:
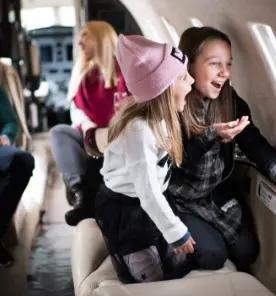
{"x": 13, "y": 181}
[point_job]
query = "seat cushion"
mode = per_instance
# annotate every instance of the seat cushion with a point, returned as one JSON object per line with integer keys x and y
{"x": 93, "y": 274}
{"x": 224, "y": 284}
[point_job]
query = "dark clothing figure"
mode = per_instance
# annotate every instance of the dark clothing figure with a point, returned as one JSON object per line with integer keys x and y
{"x": 16, "y": 168}
{"x": 201, "y": 190}
{"x": 138, "y": 249}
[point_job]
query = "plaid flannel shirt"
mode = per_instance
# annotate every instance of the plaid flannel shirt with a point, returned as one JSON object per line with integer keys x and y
{"x": 193, "y": 184}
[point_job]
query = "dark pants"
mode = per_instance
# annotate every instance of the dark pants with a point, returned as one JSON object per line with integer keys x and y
{"x": 13, "y": 181}
{"x": 211, "y": 250}
{"x": 131, "y": 235}
{"x": 245, "y": 250}
{"x": 75, "y": 165}
{"x": 127, "y": 229}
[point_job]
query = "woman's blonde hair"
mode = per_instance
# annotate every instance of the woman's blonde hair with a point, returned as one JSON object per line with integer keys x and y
{"x": 105, "y": 39}
{"x": 153, "y": 112}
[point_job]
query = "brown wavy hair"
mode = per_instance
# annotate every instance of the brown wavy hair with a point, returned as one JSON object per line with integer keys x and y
{"x": 221, "y": 109}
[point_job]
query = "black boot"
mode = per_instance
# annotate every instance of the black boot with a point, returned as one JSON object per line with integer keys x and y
{"x": 75, "y": 195}
{"x": 73, "y": 217}
{"x": 82, "y": 209}
{"x": 6, "y": 258}
{"x": 78, "y": 197}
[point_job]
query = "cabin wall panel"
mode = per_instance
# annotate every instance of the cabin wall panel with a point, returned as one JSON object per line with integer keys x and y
{"x": 250, "y": 76}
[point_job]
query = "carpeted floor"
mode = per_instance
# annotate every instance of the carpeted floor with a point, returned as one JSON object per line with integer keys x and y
{"x": 49, "y": 266}
{"x": 49, "y": 271}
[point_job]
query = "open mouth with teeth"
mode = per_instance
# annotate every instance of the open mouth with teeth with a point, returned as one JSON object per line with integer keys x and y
{"x": 217, "y": 85}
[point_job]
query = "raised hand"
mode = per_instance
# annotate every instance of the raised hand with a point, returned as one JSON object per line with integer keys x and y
{"x": 229, "y": 130}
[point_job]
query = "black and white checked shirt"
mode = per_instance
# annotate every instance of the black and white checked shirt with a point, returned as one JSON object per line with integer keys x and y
{"x": 192, "y": 185}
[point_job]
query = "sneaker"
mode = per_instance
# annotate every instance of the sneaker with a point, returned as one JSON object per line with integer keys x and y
{"x": 73, "y": 217}
{"x": 6, "y": 258}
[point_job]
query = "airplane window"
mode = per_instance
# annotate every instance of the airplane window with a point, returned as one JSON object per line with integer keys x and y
{"x": 31, "y": 17}
{"x": 53, "y": 71}
{"x": 171, "y": 30}
{"x": 69, "y": 52}
{"x": 266, "y": 42}
{"x": 67, "y": 16}
{"x": 7, "y": 61}
{"x": 11, "y": 16}
{"x": 46, "y": 53}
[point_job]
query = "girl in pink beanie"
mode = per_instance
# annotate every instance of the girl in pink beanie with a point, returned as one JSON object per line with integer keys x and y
{"x": 139, "y": 222}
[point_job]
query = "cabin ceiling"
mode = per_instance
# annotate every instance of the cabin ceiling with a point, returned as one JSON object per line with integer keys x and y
{"x": 45, "y": 3}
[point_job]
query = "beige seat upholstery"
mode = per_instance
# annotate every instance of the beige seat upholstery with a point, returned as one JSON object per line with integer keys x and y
{"x": 93, "y": 274}
{"x": 228, "y": 284}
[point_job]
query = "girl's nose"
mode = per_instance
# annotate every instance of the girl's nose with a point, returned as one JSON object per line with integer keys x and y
{"x": 225, "y": 71}
{"x": 191, "y": 79}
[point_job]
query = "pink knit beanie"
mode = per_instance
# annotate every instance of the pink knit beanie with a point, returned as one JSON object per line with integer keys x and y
{"x": 147, "y": 66}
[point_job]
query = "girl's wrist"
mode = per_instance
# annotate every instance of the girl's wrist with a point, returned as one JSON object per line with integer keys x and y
{"x": 182, "y": 240}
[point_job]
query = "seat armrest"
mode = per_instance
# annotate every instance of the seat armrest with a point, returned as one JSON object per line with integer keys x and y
{"x": 88, "y": 251}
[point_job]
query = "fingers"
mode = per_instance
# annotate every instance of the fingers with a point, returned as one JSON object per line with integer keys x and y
{"x": 229, "y": 130}
{"x": 188, "y": 247}
{"x": 232, "y": 124}
{"x": 240, "y": 127}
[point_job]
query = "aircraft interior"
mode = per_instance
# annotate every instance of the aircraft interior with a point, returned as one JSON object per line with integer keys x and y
{"x": 38, "y": 48}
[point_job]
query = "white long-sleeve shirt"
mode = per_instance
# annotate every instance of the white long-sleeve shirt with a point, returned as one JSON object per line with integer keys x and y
{"x": 131, "y": 168}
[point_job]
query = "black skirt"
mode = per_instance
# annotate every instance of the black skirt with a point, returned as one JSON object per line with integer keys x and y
{"x": 126, "y": 227}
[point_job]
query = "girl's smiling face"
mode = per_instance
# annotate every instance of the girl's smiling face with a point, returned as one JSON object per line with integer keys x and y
{"x": 212, "y": 68}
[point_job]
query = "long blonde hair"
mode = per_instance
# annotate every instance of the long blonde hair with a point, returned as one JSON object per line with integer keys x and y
{"x": 105, "y": 39}
{"x": 153, "y": 112}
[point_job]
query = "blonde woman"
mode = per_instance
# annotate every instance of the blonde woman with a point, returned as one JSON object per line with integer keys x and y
{"x": 136, "y": 218}
{"x": 95, "y": 79}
